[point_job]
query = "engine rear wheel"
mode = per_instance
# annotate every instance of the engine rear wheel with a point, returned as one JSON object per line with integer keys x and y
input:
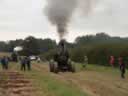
{"x": 51, "y": 66}
{"x": 71, "y": 66}
{"x": 56, "y": 70}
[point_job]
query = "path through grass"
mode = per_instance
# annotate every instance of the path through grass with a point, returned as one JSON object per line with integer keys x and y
{"x": 48, "y": 85}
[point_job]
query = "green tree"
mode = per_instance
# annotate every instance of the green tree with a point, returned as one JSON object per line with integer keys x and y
{"x": 30, "y": 46}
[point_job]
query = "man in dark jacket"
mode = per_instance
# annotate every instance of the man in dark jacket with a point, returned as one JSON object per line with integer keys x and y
{"x": 28, "y": 63}
{"x": 122, "y": 67}
{"x": 4, "y": 62}
{"x": 23, "y": 63}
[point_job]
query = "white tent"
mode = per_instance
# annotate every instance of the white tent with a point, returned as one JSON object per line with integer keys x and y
{"x": 18, "y": 48}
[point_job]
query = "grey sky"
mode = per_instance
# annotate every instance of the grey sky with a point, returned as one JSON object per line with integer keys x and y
{"x": 20, "y": 18}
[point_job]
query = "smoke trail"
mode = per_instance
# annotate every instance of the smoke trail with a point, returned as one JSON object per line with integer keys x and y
{"x": 87, "y": 6}
{"x": 59, "y": 13}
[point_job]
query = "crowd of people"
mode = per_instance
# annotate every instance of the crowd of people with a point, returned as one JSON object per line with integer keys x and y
{"x": 25, "y": 62}
{"x": 113, "y": 61}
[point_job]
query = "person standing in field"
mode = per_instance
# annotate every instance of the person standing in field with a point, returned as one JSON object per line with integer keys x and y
{"x": 28, "y": 63}
{"x": 112, "y": 61}
{"x": 122, "y": 67}
{"x": 85, "y": 61}
{"x": 4, "y": 62}
{"x": 23, "y": 64}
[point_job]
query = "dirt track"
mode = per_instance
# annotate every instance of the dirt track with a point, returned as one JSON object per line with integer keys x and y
{"x": 92, "y": 82}
{"x": 15, "y": 84}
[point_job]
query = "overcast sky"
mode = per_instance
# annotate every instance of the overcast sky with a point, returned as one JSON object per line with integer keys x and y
{"x": 21, "y": 18}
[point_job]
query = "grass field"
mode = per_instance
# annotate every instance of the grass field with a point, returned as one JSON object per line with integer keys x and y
{"x": 92, "y": 81}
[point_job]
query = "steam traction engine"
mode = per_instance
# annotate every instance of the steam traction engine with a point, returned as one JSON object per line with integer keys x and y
{"x": 61, "y": 61}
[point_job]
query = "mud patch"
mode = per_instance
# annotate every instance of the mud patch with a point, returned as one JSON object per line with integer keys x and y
{"x": 15, "y": 84}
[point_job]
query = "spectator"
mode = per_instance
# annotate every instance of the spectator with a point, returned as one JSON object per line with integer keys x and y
{"x": 85, "y": 61}
{"x": 23, "y": 63}
{"x": 4, "y": 62}
{"x": 28, "y": 63}
{"x": 112, "y": 61}
{"x": 122, "y": 67}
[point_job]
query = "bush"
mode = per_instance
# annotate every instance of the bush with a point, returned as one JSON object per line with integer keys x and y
{"x": 101, "y": 54}
{"x": 48, "y": 55}
{"x": 77, "y": 54}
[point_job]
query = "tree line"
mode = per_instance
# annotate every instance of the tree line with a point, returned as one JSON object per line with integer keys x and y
{"x": 98, "y": 48}
{"x": 31, "y": 45}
